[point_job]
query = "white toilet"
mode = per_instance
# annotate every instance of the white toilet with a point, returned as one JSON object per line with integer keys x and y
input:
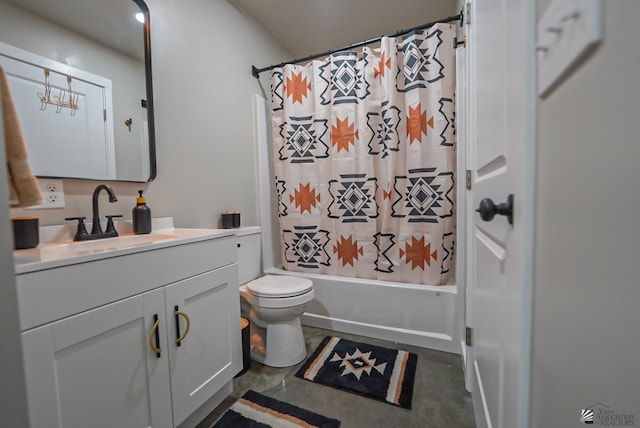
{"x": 273, "y": 304}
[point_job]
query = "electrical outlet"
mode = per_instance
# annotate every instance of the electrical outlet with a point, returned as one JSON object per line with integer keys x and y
{"x": 52, "y": 194}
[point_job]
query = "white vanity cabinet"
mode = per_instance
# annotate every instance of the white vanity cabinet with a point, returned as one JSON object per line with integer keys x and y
{"x": 206, "y": 359}
{"x": 92, "y": 361}
{"x": 95, "y": 369}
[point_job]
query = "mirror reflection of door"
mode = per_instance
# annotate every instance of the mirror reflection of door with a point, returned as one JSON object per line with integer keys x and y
{"x": 101, "y": 38}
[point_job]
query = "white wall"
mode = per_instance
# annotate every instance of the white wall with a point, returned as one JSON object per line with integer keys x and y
{"x": 202, "y": 54}
{"x": 587, "y": 260}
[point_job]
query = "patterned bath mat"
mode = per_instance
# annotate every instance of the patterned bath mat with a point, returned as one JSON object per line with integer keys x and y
{"x": 255, "y": 410}
{"x": 373, "y": 371}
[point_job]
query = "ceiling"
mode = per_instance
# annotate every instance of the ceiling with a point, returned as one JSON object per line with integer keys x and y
{"x": 306, "y": 27}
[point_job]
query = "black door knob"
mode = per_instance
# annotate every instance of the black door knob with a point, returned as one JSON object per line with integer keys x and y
{"x": 488, "y": 209}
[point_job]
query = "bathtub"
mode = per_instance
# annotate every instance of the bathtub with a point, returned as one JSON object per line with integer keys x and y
{"x": 419, "y": 315}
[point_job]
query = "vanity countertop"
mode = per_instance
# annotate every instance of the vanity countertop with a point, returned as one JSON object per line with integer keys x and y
{"x": 57, "y": 249}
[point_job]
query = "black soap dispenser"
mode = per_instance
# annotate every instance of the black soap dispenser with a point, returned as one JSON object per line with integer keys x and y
{"x": 141, "y": 216}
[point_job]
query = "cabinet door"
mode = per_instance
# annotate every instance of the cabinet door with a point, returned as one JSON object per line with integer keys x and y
{"x": 96, "y": 369}
{"x": 209, "y": 355}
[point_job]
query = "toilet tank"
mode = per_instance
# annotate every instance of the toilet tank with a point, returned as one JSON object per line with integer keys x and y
{"x": 248, "y": 245}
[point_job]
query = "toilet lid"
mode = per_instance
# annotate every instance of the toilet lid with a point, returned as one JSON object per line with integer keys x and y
{"x": 279, "y": 286}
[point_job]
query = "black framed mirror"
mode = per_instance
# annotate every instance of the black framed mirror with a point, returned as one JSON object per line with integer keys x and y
{"x": 149, "y": 85}
{"x": 99, "y": 54}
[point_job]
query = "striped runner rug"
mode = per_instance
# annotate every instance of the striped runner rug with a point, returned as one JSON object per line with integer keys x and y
{"x": 372, "y": 371}
{"x": 255, "y": 410}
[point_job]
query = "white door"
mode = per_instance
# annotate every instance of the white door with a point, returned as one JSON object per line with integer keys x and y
{"x": 53, "y": 133}
{"x": 204, "y": 334}
{"x": 498, "y": 303}
{"x": 96, "y": 369}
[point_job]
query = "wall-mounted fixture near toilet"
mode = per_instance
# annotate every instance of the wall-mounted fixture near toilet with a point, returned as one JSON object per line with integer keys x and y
{"x": 273, "y": 304}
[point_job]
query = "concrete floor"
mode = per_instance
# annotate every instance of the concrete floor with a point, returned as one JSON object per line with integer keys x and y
{"x": 439, "y": 397}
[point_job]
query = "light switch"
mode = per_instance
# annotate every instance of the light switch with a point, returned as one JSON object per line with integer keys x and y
{"x": 567, "y": 31}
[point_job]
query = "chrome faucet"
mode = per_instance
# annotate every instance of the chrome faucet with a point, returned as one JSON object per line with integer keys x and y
{"x": 96, "y": 230}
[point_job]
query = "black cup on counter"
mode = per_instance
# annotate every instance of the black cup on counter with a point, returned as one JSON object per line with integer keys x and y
{"x": 230, "y": 220}
{"x": 25, "y": 232}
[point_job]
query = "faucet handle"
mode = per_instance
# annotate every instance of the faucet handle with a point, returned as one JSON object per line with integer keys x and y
{"x": 81, "y": 231}
{"x": 110, "y": 226}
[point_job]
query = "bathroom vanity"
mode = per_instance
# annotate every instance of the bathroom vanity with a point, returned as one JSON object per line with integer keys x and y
{"x": 133, "y": 331}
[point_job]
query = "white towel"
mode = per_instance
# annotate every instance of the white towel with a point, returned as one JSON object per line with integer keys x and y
{"x": 24, "y": 190}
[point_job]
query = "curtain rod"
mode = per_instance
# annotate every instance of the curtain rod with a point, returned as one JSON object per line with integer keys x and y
{"x": 256, "y": 71}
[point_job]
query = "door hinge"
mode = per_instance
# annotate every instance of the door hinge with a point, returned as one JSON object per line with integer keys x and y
{"x": 457, "y": 43}
{"x": 467, "y": 336}
{"x": 468, "y": 179}
{"x": 467, "y": 13}
{"x": 104, "y": 114}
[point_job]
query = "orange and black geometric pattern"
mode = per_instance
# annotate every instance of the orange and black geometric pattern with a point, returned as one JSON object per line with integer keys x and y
{"x": 306, "y": 246}
{"x": 304, "y": 139}
{"x": 341, "y": 80}
{"x": 353, "y": 198}
{"x": 420, "y": 62}
{"x": 365, "y": 158}
{"x": 423, "y": 195}
{"x": 383, "y": 126}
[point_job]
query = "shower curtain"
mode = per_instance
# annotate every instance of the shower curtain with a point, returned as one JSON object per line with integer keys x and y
{"x": 364, "y": 159}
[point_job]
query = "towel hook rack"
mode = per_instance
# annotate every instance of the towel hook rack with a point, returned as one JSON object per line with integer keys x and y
{"x": 62, "y": 100}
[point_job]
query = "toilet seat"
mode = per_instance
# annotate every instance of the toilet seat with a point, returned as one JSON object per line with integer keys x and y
{"x": 279, "y": 286}
{"x": 278, "y": 291}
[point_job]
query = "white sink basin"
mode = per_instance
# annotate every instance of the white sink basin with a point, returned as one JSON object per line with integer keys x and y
{"x": 57, "y": 251}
